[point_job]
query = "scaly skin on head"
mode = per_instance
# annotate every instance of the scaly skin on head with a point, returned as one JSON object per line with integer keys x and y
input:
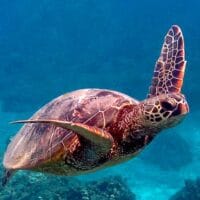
{"x": 137, "y": 125}
{"x": 165, "y": 110}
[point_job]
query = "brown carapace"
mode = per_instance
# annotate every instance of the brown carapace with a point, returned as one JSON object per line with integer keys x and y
{"x": 90, "y": 129}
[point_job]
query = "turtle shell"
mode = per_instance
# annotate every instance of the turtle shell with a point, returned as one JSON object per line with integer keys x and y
{"x": 36, "y": 144}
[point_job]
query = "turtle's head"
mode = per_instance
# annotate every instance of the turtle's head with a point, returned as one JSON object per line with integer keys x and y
{"x": 165, "y": 110}
{"x": 166, "y": 106}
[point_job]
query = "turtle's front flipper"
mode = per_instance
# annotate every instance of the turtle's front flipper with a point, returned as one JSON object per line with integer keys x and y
{"x": 6, "y": 177}
{"x": 170, "y": 67}
{"x": 96, "y": 135}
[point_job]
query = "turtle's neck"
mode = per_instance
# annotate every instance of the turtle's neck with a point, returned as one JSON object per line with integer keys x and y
{"x": 127, "y": 121}
{"x": 129, "y": 129}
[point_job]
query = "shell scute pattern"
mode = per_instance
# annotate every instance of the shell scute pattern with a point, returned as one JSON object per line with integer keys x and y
{"x": 93, "y": 107}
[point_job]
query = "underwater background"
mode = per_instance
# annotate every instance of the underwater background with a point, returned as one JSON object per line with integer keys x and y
{"x": 50, "y": 47}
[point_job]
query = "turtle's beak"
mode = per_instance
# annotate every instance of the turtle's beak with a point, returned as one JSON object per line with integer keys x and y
{"x": 182, "y": 109}
{"x": 185, "y": 108}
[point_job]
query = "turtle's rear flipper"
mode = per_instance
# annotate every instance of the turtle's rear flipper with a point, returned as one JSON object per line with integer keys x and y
{"x": 6, "y": 177}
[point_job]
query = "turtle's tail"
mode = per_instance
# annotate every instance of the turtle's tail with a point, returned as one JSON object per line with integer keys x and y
{"x": 6, "y": 177}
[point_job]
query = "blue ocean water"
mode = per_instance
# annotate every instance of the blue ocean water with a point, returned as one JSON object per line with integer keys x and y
{"x": 52, "y": 47}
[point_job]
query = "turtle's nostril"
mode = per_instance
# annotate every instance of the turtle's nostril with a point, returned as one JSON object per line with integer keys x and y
{"x": 177, "y": 111}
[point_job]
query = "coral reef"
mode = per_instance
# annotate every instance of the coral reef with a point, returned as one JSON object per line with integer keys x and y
{"x": 191, "y": 191}
{"x": 169, "y": 151}
{"x": 26, "y": 185}
{"x": 113, "y": 188}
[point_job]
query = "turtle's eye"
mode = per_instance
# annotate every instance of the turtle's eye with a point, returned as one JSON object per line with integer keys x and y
{"x": 167, "y": 105}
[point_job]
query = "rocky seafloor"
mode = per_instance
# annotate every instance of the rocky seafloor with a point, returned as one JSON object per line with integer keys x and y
{"x": 30, "y": 186}
{"x": 38, "y": 186}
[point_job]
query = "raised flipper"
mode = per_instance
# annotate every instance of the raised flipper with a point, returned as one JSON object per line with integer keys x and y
{"x": 96, "y": 135}
{"x": 169, "y": 70}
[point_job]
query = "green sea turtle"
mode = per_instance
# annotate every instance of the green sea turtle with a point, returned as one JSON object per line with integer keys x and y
{"x": 89, "y": 129}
